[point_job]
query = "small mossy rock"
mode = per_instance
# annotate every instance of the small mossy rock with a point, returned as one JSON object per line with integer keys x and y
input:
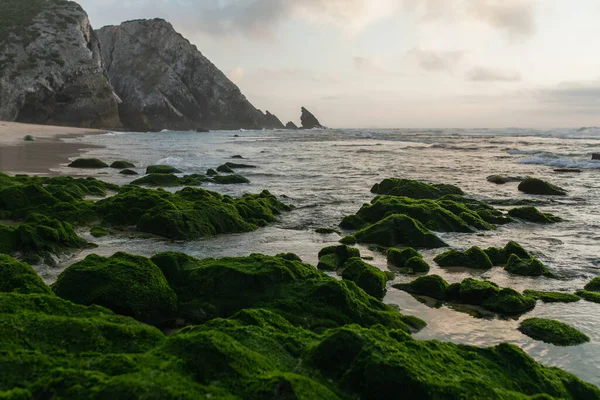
{"x": 327, "y": 231}
{"x": 225, "y": 169}
{"x": 417, "y": 265}
{"x": 369, "y": 278}
{"x": 28, "y": 138}
{"x": 528, "y": 267}
{"x": 473, "y": 291}
{"x": 122, "y": 165}
{"x": 497, "y": 179}
{"x": 194, "y": 180}
{"x": 127, "y": 284}
{"x": 230, "y": 179}
{"x": 333, "y": 258}
{"x": 552, "y": 297}
{"x": 593, "y": 285}
{"x": 399, "y": 229}
{"x": 414, "y": 189}
{"x": 539, "y": 187}
{"x": 128, "y": 172}
{"x": 353, "y": 222}
{"x": 348, "y": 240}
{"x": 92, "y": 163}
{"x": 508, "y": 301}
{"x": 98, "y": 231}
{"x": 211, "y": 172}
{"x": 18, "y": 277}
{"x": 554, "y": 332}
{"x": 239, "y": 166}
{"x": 589, "y": 296}
{"x": 162, "y": 169}
{"x": 158, "y": 180}
{"x": 289, "y": 257}
{"x": 499, "y": 256}
{"x": 532, "y": 214}
{"x": 494, "y": 217}
{"x": 433, "y": 286}
{"x": 398, "y": 258}
{"x": 472, "y": 258}
{"x": 237, "y": 156}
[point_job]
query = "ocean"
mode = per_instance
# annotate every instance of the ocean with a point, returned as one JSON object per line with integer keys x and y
{"x": 328, "y": 174}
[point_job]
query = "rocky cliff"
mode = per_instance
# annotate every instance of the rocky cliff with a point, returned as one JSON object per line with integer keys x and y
{"x": 309, "y": 121}
{"x": 166, "y": 83}
{"x": 51, "y": 66}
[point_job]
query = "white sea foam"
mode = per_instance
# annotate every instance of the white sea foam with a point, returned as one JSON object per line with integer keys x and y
{"x": 563, "y": 162}
{"x": 170, "y": 161}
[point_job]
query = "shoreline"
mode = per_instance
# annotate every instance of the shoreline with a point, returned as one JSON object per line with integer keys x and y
{"x": 45, "y": 152}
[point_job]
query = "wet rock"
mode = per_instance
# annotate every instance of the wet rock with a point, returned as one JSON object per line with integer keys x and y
{"x": 539, "y": 187}
{"x": 499, "y": 256}
{"x": 417, "y": 265}
{"x": 128, "y": 172}
{"x": 398, "y": 258}
{"x": 532, "y": 214}
{"x": 527, "y": 267}
{"x": 589, "y": 296}
{"x": 595, "y": 156}
{"x": 575, "y": 170}
{"x": 327, "y": 231}
{"x": 202, "y": 130}
{"x": 18, "y": 277}
{"x": 333, "y": 258}
{"x": 28, "y": 138}
{"x": 497, "y": 179}
{"x": 593, "y": 285}
{"x": 239, "y": 166}
{"x": 225, "y": 169}
{"x": 414, "y": 189}
{"x": 369, "y": 278}
{"x": 309, "y": 121}
{"x": 162, "y": 169}
{"x": 433, "y": 286}
{"x": 237, "y": 156}
{"x": 91, "y": 163}
{"x": 98, "y": 231}
{"x": 211, "y": 172}
{"x": 291, "y": 125}
{"x": 122, "y": 165}
{"x": 230, "y": 179}
{"x": 554, "y": 332}
{"x": 472, "y": 258}
{"x": 158, "y": 180}
{"x": 552, "y": 297}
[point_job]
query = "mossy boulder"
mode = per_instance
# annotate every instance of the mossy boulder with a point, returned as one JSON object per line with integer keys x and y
{"x": 500, "y": 256}
{"x": 98, "y": 231}
{"x": 399, "y": 229}
{"x": 589, "y": 296}
{"x": 414, "y": 189}
{"x": 91, "y": 163}
{"x": 333, "y": 258}
{"x": 494, "y": 217}
{"x": 122, "y": 165}
{"x": 593, "y": 285}
{"x": 211, "y": 172}
{"x": 239, "y": 166}
{"x": 18, "y": 277}
{"x": 369, "y": 278}
{"x": 539, "y": 187}
{"x": 128, "y": 172}
{"x": 554, "y": 332}
{"x": 532, "y": 214}
{"x": 552, "y": 297}
{"x": 431, "y": 285}
{"x": 509, "y": 302}
{"x": 28, "y": 138}
{"x": 417, "y": 265}
{"x": 527, "y": 267}
{"x": 128, "y": 285}
{"x": 472, "y": 258}
{"x": 159, "y": 180}
{"x": 497, "y": 179}
{"x": 162, "y": 169}
{"x": 230, "y": 179}
{"x": 398, "y": 258}
{"x": 225, "y": 169}
{"x": 327, "y": 231}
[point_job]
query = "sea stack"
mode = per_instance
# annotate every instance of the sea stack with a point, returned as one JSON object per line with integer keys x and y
{"x": 309, "y": 121}
{"x": 291, "y": 125}
{"x": 51, "y": 67}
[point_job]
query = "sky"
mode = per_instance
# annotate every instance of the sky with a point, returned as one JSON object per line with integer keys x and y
{"x": 397, "y": 63}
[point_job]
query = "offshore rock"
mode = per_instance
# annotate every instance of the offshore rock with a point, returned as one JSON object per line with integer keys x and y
{"x": 272, "y": 122}
{"x": 309, "y": 121}
{"x": 51, "y": 67}
{"x": 166, "y": 83}
{"x": 291, "y": 125}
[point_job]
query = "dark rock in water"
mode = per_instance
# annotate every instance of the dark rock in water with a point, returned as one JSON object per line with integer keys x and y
{"x": 239, "y": 166}
{"x": 229, "y": 179}
{"x": 369, "y": 278}
{"x": 202, "y": 130}
{"x": 532, "y": 214}
{"x": 552, "y": 297}
{"x": 309, "y": 121}
{"x": 92, "y": 163}
{"x": 122, "y": 165}
{"x": 433, "y": 286}
{"x": 164, "y": 82}
{"x": 271, "y": 121}
{"x": 238, "y": 157}
{"x": 497, "y": 179}
{"x": 576, "y": 170}
{"x": 472, "y": 258}
{"x": 539, "y": 187}
{"x": 211, "y": 172}
{"x": 225, "y": 169}
{"x": 550, "y": 331}
{"x": 28, "y": 138}
{"x": 593, "y": 285}
{"x": 527, "y": 267}
{"x": 327, "y": 231}
{"x": 159, "y": 180}
{"x": 333, "y": 258}
{"x": 162, "y": 169}
{"x": 291, "y": 125}
{"x": 595, "y": 156}
{"x": 51, "y": 67}
{"x": 499, "y": 256}
{"x": 236, "y": 135}
{"x": 128, "y": 172}
{"x": 415, "y": 189}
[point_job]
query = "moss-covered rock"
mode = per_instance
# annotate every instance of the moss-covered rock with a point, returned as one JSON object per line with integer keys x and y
{"x": 552, "y": 297}
{"x": 128, "y": 172}
{"x": 327, "y": 231}
{"x": 239, "y": 166}
{"x": 528, "y": 267}
{"x": 211, "y": 172}
{"x": 414, "y": 189}
{"x": 369, "y": 278}
{"x": 500, "y": 256}
{"x": 128, "y": 285}
{"x": 398, "y": 229}
{"x": 508, "y": 301}
{"x": 551, "y": 331}
{"x": 92, "y": 163}
{"x": 230, "y": 179}
{"x": 398, "y": 258}
{"x": 333, "y": 258}
{"x": 497, "y": 179}
{"x": 431, "y": 285}
{"x": 348, "y": 240}
{"x": 225, "y": 169}
{"x": 589, "y": 296}
{"x": 122, "y": 165}
{"x": 158, "y": 180}
{"x": 593, "y": 285}
{"x": 417, "y": 265}
{"x": 532, "y": 214}
{"x": 494, "y": 217}
{"x": 539, "y": 187}
{"x": 28, "y": 138}
{"x": 472, "y": 258}
{"x": 18, "y": 277}
{"x": 98, "y": 231}
{"x": 162, "y": 169}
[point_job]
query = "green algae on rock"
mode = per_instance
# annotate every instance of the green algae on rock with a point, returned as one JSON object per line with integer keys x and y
{"x": 433, "y": 286}
{"x": 98, "y": 231}
{"x": 552, "y": 297}
{"x": 128, "y": 285}
{"x": 398, "y": 257}
{"x": 122, "y": 165}
{"x": 211, "y": 172}
{"x": 128, "y": 172}
{"x": 162, "y": 169}
{"x": 225, "y": 169}
{"x": 414, "y": 189}
{"x": 554, "y": 332}
{"x": 333, "y": 258}
{"x": 369, "y": 278}
{"x": 472, "y": 258}
{"x": 159, "y": 180}
{"x": 589, "y": 296}
{"x": 417, "y": 265}
{"x": 499, "y": 256}
{"x": 539, "y": 187}
{"x": 532, "y": 214}
{"x": 18, "y": 277}
{"x": 92, "y": 163}
{"x": 593, "y": 285}
{"x": 239, "y": 166}
{"x": 229, "y": 179}
{"x": 327, "y": 231}
{"x": 527, "y": 267}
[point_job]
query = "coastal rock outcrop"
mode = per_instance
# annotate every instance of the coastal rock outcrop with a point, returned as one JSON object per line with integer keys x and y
{"x": 291, "y": 125}
{"x": 166, "y": 83}
{"x": 51, "y": 67}
{"x": 309, "y": 121}
{"x": 595, "y": 156}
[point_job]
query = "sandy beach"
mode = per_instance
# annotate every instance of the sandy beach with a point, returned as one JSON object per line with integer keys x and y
{"x": 46, "y": 151}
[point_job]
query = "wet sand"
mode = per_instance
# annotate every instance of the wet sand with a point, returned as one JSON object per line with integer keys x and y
{"x": 45, "y": 152}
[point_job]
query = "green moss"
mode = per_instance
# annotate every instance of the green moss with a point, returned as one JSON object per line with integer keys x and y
{"x": 494, "y": 217}
{"x": 499, "y": 256}
{"x": 348, "y": 240}
{"x": 593, "y": 285}
{"x": 162, "y": 169}
{"x": 539, "y": 187}
{"x": 472, "y": 258}
{"x": 532, "y": 214}
{"x": 527, "y": 267}
{"x": 369, "y": 278}
{"x": 414, "y": 189}
{"x": 417, "y": 265}
{"x": 158, "y": 179}
{"x": 92, "y": 163}
{"x": 399, "y": 229}
{"x": 98, "y": 231}
{"x": 431, "y": 285}
{"x": 28, "y": 138}
{"x": 333, "y": 258}
{"x": 508, "y": 301}
{"x": 398, "y": 258}
{"x": 289, "y": 257}
{"x": 128, "y": 172}
{"x": 551, "y": 331}
{"x": 122, "y": 165}
{"x": 327, "y": 231}
{"x": 128, "y": 285}
{"x": 589, "y": 296}
{"x": 211, "y": 172}
{"x": 225, "y": 169}
{"x": 229, "y": 179}
{"x": 552, "y": 297}
{"x": 19, "y": 277}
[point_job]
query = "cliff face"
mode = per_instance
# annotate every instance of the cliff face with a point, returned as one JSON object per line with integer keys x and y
{"x": 51, "y": 66}
{"x": 166, "y": 83}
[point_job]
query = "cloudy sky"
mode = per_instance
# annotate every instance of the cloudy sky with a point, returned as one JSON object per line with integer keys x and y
{"x": 397, "y": 63}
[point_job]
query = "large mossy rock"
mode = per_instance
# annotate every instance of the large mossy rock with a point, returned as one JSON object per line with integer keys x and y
{"x": 333, "y": 258}
{"x": 122, "y": 165}
{"x": 593, "y": 285}
{"x": 414, "y": 189}
{"x": 552, "y": 297}
{"x": 91, "y": 163}
{"x": 398, "y": 258}
{"x": 18, "y": 277}
{"x": 527, "y": 267}
{"x": 433, "y": 286}
{"x": 589, "y": 296}
{"x": 158, "y": 180}
{"x": 550, "y": 331}
{"x": 539, "y": 187}
{"x": 162, "y": 169}
{"x": 399, "y": 229}
{"x": 128, "y": 285}
{"x": 369, "y": 278}
{"x": 532, "y": 214}
{"x": 472, "y": 258}
{"x": 229, "y": 179}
